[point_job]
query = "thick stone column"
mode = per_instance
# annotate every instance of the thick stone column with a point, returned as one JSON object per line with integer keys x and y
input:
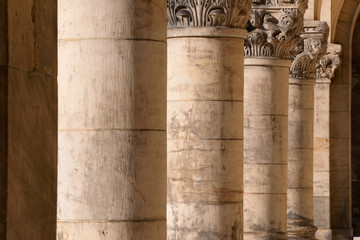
{"x": 274, "y": 29}
{"x": 112, "y": 120}
{"x": 205, "y": 119}
{"x": 301, "y": 129}
{"x": 325, "y": 72}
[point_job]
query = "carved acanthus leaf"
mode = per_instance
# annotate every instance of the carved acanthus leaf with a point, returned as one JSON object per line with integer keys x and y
{"x": 208, "y": 13}
{"x": 310, "y": 50}
{"x": 274, "y": 27}
{"x": 329, "y": 63}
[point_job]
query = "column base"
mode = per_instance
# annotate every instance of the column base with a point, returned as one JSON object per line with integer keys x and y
{"x": 266, "y": 236}
{"x": 301, "y": 229}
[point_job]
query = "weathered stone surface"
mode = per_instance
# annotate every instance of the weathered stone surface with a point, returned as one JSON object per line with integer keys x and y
{"x": 300, "y": 165}
{"x": 153, "y": 230}
{"x": 206, "y": 72}
{"x": 322, "y": 162}
{"x": 197, "y": 13}
{"x": 112, "y": 120}
{"x": 265, "y": 148}
{"x": 109, "y": 19}
{"x": 205, "y": 134}
{"x": 274, "y": 28}
{"x": 329, "y": 63}
{"x": 204, "y": 220}
{"x": 262, "y": 129}
{"x": 84, "y": 179}
{"x": 264, "y": 216}
{"x": 116, "y": 89}
{"x": 322, "y": 159}
{"x": 306, "y": 57}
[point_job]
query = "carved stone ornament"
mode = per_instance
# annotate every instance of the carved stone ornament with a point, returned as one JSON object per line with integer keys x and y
{"x": 329, "y": 63}
{"x": 308, "y": 53}
{"x": 274, "y": 27}
{"x": 208, "y": 13}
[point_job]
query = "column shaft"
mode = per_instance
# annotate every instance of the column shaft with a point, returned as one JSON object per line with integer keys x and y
{"x": 112, "y": 120}
{"x": 324, "y": 156}
{"x": 322, "y": 160}
{"x": 272, "y": 32}
{"x": 265, "y": 148}
{"x": 300, "y": 159}
{"x": 205, "y": 134}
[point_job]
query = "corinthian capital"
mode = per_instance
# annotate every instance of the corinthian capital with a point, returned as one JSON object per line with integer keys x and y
{"x": 312, "y": 47}
{"x": 208, "y": 13}
{"x": 274, "y": 27}
{"x": 329, "y": 63}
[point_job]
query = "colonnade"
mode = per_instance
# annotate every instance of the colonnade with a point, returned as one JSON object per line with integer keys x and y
{"x": 221, "y": 148}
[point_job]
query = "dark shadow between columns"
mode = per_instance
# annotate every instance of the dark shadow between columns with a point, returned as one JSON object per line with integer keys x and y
{"x": 28, "y": 119}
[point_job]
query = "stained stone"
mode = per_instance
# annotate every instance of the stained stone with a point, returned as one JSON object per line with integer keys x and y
{"x": 112, "y": 120}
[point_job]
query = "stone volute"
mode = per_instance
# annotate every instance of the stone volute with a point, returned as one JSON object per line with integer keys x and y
{"x": 208, "y": 13}
{"x": 274, "y": 27}
{"x": 329, "y": 62}
{"x": 307, "y": 56}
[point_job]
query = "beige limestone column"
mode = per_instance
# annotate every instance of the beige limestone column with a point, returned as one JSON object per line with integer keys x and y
{"x": 325, "y": 72}
{"x": 265, "y": 145}
{"x": 300, "y": 159}
{"x": 307, "y": 55}
{"x": 274, "y": 30}
{"x": 322, "y": 159}
{"x": 205, "y": 119}
{"x": 112, "y": 120}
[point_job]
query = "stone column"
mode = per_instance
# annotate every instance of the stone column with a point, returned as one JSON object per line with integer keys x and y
{"x": 205, "y": 119}
{"x": 325, "y": 72}
{"x": 274, "y": 29}
{"x": 112, "y": 120}
{"x": 301, "y": 129}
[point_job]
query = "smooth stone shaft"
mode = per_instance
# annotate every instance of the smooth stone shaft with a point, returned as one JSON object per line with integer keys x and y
{"x": 112, "y": 120}
{"x": 322, "y": 160}
{"x": 300, "y": 159}
{"x": 205, "y": 138}
{"x": 265, "y": 148}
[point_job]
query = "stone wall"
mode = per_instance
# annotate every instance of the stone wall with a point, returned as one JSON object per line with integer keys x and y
{"x": 3, "y": 116}
{"x": 355, "y": 153}
{"x": 28, "y": 119}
